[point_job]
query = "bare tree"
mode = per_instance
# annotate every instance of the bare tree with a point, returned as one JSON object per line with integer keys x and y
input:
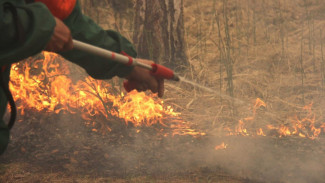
{"x": 87, "y": 6}
{"x": 159, "y": 32}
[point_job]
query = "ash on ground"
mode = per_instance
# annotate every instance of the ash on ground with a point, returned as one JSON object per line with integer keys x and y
{"x": 62, "y": 143}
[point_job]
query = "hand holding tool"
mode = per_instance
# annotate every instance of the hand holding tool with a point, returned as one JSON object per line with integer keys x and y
{"x": 158, "y": 71}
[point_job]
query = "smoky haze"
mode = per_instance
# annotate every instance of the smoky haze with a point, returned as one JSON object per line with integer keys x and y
{"x": 242, "y": 50}
{"x": 67, "y": 146}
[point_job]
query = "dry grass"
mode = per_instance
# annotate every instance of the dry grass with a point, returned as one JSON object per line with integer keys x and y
{"x": 274, "y": 45}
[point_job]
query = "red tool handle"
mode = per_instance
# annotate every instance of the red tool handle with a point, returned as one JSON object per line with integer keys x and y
{"x": 158, "y": 71}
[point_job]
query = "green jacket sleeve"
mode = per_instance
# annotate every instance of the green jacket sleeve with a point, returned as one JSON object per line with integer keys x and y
{"x": 86, "y": 30}
{"x": 38, "y": 25}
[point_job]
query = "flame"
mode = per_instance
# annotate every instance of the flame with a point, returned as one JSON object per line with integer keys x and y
{"x": 258, "y": 103}
{"x": 138, "y": 107}
{"x": 240, "y": 128}
{"x": 260, "y": 132}
{"x": 221, "y": 146}
{"x": 44, "y": 85}
{"x": 303, "y": 128}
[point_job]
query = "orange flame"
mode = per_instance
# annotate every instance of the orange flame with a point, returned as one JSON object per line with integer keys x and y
{"x": 45, "y": 85}
{"x": 260, "y": 132}
{"x": 240, "y": 129}
{"x": 304, "y": 128}
{"x": 221, "y": 146}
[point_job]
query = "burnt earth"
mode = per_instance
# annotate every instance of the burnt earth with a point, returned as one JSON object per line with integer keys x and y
{"x": 63, "y": 143}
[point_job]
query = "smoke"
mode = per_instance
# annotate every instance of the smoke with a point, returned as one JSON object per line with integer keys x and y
{"x": 274, "y": 160}
{"x": 260, "y": 159}
{"x": 63, "y": 143}
{"x": 265, "y": 159}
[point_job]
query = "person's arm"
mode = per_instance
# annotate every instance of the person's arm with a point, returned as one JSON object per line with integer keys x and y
{"x": 61, "y": 39}
{"x": 86, "y": 30}
{"x": 37, "y": 26}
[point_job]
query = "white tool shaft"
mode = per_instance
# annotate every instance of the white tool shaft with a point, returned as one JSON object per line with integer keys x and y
{"x": 108, "y": 54}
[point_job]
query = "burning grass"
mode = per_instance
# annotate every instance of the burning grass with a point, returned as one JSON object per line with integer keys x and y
{"x": 276, "y": 53}
{"x": 131, "y": 146}
{"x": 44, "y": 85}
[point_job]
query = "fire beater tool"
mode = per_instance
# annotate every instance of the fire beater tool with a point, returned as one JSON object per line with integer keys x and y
{"x": 159, "y": 71}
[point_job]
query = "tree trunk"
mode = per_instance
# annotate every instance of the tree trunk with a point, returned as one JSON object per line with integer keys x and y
{"x": 89, "y": 7}
{"x": 86, "y": 6}
{"x": 159, "y": 32}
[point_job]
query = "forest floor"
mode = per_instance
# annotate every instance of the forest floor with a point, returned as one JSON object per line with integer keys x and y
{"x": 275, "y": 56}
{"x": 59, "y": 149}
